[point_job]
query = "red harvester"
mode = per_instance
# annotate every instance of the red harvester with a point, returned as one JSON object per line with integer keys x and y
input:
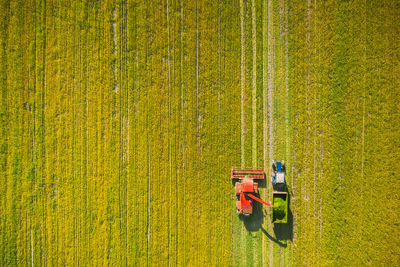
{"x": 246, "y": 188}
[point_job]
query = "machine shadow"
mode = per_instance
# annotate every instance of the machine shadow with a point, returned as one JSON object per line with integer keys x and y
{"x": 254, "y": 222}
{"x": 273, "y": 239}
{"x": 284, "y": 231}
{"x": 262, "y": 183}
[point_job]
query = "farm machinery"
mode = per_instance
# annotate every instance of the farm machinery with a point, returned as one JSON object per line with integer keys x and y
{"x": 246, "y": 190}
{"x": 279, "y": 194}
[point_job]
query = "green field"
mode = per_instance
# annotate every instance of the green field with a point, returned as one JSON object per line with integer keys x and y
{"x": 120, "y": 120}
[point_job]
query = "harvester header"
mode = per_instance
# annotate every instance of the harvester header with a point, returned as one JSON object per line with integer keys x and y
{"x": 249, "y": 172}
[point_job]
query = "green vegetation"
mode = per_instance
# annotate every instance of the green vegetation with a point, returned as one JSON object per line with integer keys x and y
{"x": 280, "y": 210}
{"x": 343, "y": 89}
{"x": 120, "y": 120}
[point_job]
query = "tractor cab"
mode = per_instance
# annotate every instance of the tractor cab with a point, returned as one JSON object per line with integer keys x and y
{"x": 278, "y": 173}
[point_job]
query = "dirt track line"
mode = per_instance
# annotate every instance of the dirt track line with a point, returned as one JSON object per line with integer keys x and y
{"x": 198, "y": 121}
{"x": 284, "y": 33}
{"x": 322, "y": 154}
{"x": 182, "y": 96}
{"x": 242, "y": 122}
{"x": 281, "y": 108}
{"x": 127, "y": 55}
{"x": 265, "y": 114}
{"x": 197, "y": 67}
{"x": 315, "y": 247}
{"x": 169, "y": 138}
{"x": 320, "y": 162}
{"x": 362, "y": 157}
{"x": 265, "y": 128}
{"x": 307, "y": 143}
{"x": 242, "y": 82}
{"x": 148, "y": 165}
{"x": 220, "y": 173}
{"x": 43, "y": 102}
{"x": 115, "y": 47}
{"x": 32, "y": 248}
{"x": 242, "y": 85}
{"x": 254, "y": 103}
{"x": 254, "y": 84}
{"x": 270, "y": 62}
{"x": 362, "y": 138}
{"x": 123, "y": 119}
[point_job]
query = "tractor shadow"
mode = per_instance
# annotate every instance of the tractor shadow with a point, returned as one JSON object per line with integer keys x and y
{"x": 276, "y": 240}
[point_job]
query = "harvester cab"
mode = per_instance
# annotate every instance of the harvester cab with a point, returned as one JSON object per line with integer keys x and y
{"x": 246, "y": 189}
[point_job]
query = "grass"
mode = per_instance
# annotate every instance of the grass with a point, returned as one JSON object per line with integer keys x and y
{"x": 330, "y": 86}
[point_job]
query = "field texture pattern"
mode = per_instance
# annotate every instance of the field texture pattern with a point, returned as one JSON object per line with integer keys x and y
{"x": 120, "y": 120}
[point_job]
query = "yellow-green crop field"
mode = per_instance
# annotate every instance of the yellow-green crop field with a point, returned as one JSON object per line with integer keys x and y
{"x": 120, "y": 120}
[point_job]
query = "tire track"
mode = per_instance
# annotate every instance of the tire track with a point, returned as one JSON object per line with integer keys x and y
{"x": 315, "y": 135}
{"x": 364, "y": 91}
{"x": 265, "y": 115}
{"x": 182, "y": 120}
{"x": 270, "y": 82}
{"x": 242, "y": 82}
{"x": 287, "y": 259}
{"x": 305, "y": 186}
{"x": 318, "y": 154}
{"x": 254, "y": 163}
{"x": 242, "y": 123}
{"x": 254, "y": 84}
{"x": 169, "y": 134}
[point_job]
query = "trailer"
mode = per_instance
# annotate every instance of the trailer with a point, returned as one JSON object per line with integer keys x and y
{"x": 280, "y": 203}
